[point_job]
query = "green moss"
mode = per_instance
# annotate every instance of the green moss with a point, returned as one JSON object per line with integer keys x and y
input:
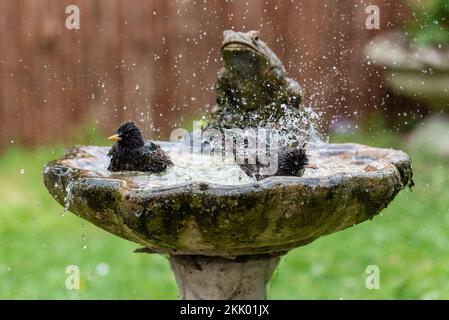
{"x": 233, "y": 220}
{"x": 222, "y": 221}
{"x": 310, "y": 213}
{"x": 165, "y": 219}
{"x": 100, "y": 197}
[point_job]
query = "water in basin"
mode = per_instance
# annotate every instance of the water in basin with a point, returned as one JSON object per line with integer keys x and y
{"x": 193, "y": 167}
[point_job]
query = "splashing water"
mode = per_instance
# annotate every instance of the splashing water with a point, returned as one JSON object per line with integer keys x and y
{"x": 84, "y": 236}
{"x": 187, "y": 168}
{"x": 68, "y": 197}
{"x": 298, "y": 128}
{"x": 198, "y": 168}
{"x": 192, "y": 167}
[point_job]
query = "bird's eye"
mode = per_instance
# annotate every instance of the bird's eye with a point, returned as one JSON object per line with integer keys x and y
{"x": 256, "y": 37}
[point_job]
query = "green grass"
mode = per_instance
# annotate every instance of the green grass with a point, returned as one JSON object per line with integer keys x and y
{"x": 408, "y": 242}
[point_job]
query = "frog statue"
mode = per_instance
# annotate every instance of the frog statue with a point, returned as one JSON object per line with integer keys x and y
{"x": 253, "y": 91}
{"x": 252, "y": 88}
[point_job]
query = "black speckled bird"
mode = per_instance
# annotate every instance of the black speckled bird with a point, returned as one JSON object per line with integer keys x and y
{"x": 132, "y": 153}
{"x": 291, "y": 162}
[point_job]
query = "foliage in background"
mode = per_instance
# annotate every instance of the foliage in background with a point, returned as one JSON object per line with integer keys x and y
{"x": 431, "y": 24}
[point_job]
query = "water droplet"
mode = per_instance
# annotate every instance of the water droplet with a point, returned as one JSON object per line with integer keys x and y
{"x": 102, "y": 269}
{"x": 68, "y": 197}
{"x": 138, "y": 213}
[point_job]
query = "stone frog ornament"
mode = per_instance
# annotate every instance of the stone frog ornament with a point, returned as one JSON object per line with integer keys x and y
{"x": 252, "y": 87}
{"x": 253, "y": 91}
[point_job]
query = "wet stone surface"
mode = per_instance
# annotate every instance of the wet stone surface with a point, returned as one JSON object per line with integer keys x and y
{"x": 206, "y": 207}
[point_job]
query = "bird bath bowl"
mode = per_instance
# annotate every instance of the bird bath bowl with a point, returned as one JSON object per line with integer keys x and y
{"x": 224, "y": 240}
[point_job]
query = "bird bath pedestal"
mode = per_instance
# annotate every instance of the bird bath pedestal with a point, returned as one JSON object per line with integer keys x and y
{"x": 217, "y": 278}
{"x": 224, "y": 241}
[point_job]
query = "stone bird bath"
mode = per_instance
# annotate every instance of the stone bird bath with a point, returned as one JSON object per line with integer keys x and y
{"x": 224, "y": 241}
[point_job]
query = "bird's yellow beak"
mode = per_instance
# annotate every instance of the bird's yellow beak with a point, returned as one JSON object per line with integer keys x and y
{"x": 114, "y": 137}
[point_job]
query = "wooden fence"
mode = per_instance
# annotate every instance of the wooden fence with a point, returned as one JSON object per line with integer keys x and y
{"x": 156, "y": 61}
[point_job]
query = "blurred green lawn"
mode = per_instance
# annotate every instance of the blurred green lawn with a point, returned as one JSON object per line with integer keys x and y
{"x": 409, "y": 242}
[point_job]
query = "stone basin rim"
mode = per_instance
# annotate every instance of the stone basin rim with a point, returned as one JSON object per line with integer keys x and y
{"x": 266, "y": 183}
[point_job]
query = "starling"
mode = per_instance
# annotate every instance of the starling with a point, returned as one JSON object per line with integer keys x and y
{"x": 291, "y": 162}
{"x": 132, "y": 153}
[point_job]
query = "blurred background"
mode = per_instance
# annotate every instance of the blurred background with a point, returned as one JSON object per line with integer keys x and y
{"x": 155, "y": 62}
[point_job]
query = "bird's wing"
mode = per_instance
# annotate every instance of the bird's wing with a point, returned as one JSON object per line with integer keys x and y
{"x": 150, "y": 146}
{"x": 156, "y": 159}
{"x": 112, "y": 150}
